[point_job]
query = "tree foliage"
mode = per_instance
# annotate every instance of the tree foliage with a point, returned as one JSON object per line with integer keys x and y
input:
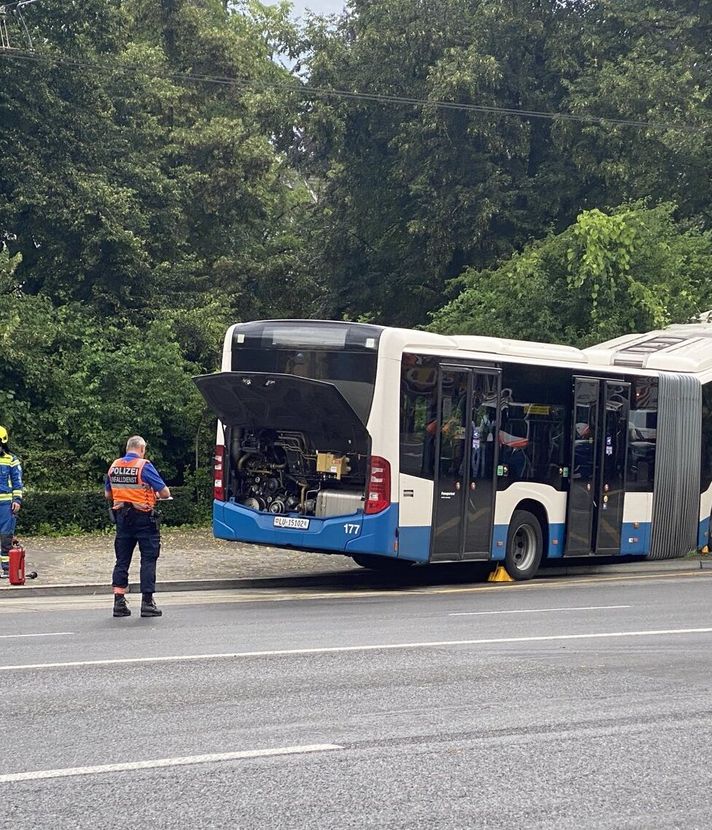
{"x": 633, "y": 269}
{"x": 141, "y": 209}
{"x": 425, "y": 191}
{"x": 172, "y": 166}
{"x": 645, "y": 62}
{"x": 414, "y": 195}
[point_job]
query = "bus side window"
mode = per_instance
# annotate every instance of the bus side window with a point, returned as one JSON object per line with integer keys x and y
{"x": 418, "y": 417}
{"x": 533, "y": 425}
{"x": 418, "y": 425}
{"x": 706, "y": 437}
{"x": 642, "y": 436}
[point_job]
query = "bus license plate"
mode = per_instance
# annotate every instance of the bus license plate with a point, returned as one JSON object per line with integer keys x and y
{"x": 291, "y": 522}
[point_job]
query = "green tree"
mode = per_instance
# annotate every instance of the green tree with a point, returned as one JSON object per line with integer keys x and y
{"x": 143, "y": 209}
{"x": 73, "y": 387}
{"x": 131, "y": 182}
{"x": 634, "y": 269}
{"x": 411, "y": 195}
{"x": 651, "y": 63}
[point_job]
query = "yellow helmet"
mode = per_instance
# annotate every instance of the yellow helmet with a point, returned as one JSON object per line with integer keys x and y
{"x": 3, "y": 436}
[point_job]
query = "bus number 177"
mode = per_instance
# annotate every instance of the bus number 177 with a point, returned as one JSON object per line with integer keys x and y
{"x": 351, "y": 530}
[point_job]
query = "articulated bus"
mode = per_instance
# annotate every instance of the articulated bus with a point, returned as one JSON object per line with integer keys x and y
{"x": 399, "y": 447}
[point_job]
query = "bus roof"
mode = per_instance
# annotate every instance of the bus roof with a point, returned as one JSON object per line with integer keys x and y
{"x": 396, "y": 341}
{"x": 520, "y": 348}
{"x": 679, "y": 348}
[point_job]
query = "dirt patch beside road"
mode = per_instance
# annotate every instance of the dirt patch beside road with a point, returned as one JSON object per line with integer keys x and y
{"x": 185, "y": 554}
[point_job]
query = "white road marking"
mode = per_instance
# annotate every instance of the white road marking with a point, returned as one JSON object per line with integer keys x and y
{"x": 32, "y": 604}
{"x": 165, "y": 762}
{"x": 234, "y": 655}
{"x": 49, "y": 634}
{"x": 536, "y": 610}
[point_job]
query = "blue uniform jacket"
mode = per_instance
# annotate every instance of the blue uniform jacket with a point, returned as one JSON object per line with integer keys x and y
{"x": 10, "y": 478}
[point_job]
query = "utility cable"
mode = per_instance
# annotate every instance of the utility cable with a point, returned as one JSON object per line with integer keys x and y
{"x": 321, "y": 92}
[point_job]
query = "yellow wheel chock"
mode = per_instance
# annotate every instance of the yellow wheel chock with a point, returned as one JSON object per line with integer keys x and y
{"x": 499, "y": 574}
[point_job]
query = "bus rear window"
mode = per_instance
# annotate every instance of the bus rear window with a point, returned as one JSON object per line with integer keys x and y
{"x": 342, "y": 354}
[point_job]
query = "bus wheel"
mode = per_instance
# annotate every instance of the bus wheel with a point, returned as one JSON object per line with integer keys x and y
{"x": 524, "y": 545}
{"x": 380, "y": 563}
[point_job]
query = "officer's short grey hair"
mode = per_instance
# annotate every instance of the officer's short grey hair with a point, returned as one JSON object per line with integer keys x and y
{"x": 135, "y": 442}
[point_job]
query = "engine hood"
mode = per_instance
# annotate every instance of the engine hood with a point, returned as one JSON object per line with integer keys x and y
{"x": 262, "y": 400}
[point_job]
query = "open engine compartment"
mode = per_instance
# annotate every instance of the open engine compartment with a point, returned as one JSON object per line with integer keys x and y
{"x": 283, "y": 471}
{"x": 291, "y": 445}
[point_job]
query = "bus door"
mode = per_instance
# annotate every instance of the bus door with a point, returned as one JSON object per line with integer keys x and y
{"x": 466, "y": 462}
{"x": 598, "y": 454}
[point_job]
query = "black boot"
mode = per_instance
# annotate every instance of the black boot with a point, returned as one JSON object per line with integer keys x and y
{"x": 148, "y": 607}
{"x": 121, "y": 609}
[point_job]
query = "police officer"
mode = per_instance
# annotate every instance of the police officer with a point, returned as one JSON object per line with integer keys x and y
{"x": 10, "y": 498}
{"x": 133, "y": 485}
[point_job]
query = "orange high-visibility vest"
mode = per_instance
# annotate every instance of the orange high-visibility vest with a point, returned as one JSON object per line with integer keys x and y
{"x": 127, "y": 484}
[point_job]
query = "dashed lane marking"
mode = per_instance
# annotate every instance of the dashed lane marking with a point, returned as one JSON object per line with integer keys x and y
{"x": 297, "y": 652}
{"x": 48, "y": 634}
{"x": 536, "y": 610}
{"x": 161, "y": 763}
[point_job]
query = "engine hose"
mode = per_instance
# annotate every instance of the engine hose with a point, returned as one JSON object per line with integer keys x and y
{"x": 302, "y": 505}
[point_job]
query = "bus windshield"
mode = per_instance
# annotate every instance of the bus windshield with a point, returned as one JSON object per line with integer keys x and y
{"x": 344, "y": 354}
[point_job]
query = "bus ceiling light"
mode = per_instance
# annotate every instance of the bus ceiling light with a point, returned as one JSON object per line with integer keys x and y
{"x": 218, "y": 465}
{"x": 378, "y": 494}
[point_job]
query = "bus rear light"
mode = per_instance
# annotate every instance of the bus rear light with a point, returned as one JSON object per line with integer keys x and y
{"x": 378, "y": 492}
{"x": 218, "y": 465}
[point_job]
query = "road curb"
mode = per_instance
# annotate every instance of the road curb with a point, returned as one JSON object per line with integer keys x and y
{"x": 680, "y": 565}
{"x": 357, "y": 579}
{"x": 170, "y": 586}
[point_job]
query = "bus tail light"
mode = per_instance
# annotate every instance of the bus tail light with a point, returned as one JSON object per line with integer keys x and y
{"x": 218, "y": 471}
{"x": 378, "y": 492}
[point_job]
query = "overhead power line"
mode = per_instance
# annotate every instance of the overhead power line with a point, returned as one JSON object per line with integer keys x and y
{"x": 15, "y": 4}
{"x": 14, "y": 8}
{"x": 323, "y": 92}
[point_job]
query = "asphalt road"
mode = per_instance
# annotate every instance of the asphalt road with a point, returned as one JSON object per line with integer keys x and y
{"x": 561, "y": 703}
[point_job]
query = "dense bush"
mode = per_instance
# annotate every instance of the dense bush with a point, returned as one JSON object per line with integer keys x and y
{"x": 88, "y": 510}
{"x": 635, "y": 268}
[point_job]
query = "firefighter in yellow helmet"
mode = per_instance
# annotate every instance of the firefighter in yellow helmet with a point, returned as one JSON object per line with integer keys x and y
{"x": 10, "y": 498}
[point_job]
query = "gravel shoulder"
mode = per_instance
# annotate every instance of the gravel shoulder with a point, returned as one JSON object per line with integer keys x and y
{"x": 186, "y": 553}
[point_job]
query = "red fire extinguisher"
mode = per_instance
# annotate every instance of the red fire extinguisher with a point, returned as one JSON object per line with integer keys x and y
{"x": 16, "y": 571}
{"x": 16, "y": 565}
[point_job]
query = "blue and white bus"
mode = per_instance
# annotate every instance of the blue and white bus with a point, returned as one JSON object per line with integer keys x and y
{"x": 397, "y": 447}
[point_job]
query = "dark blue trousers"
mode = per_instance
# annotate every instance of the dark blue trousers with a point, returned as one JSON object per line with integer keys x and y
{"x": 132, "y": 527}
{"x": 7, "y": 531}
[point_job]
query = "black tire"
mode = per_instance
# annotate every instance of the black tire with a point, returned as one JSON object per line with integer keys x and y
{"x": 381, "y": 563}
{"x": 525, "y": 545}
